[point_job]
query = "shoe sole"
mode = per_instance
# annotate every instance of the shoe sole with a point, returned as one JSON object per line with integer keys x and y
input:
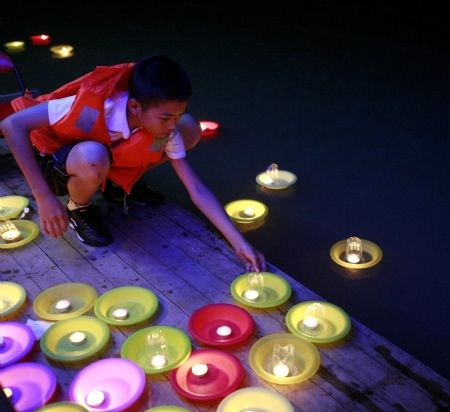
{"x": 71, "y": 225}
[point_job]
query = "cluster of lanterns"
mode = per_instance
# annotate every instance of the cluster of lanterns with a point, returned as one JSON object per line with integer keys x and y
{"x": 60, "y": 51}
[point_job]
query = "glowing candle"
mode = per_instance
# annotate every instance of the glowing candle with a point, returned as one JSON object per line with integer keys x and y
{"x": 158, "y": 361}
{"x": 223, "y": 331}
{"x": 353, "y": 250}
{"x": 62, "y": 51}
{"x": 311, "y": 322}
{"x": 249, "y": 212}
{"x": 62, "y": 305}
{"x": 281, "y": 370}
{"x": 12, "y": 235}
{"x": 120, "y": 313}
{"x": 40, "y": 39}
{"x": 95, "y": 398}
{"x": 266, "y": 179}
{"x": 15, "y": 46}
{"x": 77, "y": 338}
{"x": 8, "y": 392}
{"x": 251, "y": 294}
{"x": 199, "y": 369}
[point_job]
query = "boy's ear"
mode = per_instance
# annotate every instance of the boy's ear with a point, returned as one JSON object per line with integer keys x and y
{"x": 133, "y": 106}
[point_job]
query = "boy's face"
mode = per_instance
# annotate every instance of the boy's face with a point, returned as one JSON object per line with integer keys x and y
{"x": 159, "y": 120}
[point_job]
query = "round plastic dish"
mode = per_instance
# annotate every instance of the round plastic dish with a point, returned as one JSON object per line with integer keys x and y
{"x": 211, "y": 324}
{"x": 121, "y": 382}
{"x": 136, "y": 348}
{"x": 370, "y": 250}
{"x": 56, "y": 343}
{"x": 284, "y": 180}
{"x": 32, "y": 384}
{"x": 224, "y": 375}
{"x": 81, "y": 296}
{"x": 209, "y": 128}
{"x": 236, "y": 210}
{"x": 18, "y": 339}
{"x": 306, "y": 358}
{"x": 277, "y": 290}
{"x": 12, "y": 206}
{"x": 28, "y": 231}
{"x": 12, "y": 297}
{"x": 255, "y": 399}
{"x": 334, "y": 323}
{"x": 63, "y": 407}
{"x": 140, "y": 303}
{"x": 167, "y": 408}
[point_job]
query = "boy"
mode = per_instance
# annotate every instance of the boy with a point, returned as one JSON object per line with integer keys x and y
{"x": 114, "y": 123}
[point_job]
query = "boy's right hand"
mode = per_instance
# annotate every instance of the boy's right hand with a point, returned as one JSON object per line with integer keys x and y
{"x": 53, "y": 216}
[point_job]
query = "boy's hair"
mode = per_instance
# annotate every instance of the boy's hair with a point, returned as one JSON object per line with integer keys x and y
{"x": 156, "y": 79}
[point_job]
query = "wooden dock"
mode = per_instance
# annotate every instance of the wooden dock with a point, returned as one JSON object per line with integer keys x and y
{"x": 188, "y": 265}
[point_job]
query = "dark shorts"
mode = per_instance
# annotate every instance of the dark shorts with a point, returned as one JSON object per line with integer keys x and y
{"x": 54, "y": 168}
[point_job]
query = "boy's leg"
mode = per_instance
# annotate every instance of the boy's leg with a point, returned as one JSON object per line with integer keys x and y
{"x": 85, "y": 166}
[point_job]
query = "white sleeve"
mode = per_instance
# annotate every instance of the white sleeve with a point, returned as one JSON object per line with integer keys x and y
{"x": 175, "y": 146}
{"x": 58, "y": 108}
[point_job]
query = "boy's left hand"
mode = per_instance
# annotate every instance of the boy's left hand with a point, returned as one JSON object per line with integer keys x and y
{"x": 253, "y": 260}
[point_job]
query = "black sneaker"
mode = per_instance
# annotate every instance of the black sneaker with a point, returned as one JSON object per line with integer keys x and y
{"x": 140, "y": 194}
{"x": 88, "y": 226}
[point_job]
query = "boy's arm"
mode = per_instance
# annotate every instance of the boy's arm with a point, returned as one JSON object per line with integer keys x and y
{"x": 16, "y": 129}
{"x": 203, "y": 198}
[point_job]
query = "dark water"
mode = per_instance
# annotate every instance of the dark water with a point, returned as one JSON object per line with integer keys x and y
{"x": 353, "y": 98}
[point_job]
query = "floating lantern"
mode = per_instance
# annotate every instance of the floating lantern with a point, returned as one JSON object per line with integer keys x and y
{"x": 15, "y": 46}
{"x": 199, "y": 369}
{"x": 356, "y": 253}
{"x": 120, "y": 313}
{"x": 273, "y": 178}
{"x": 95, "y": 398}
{"x": 8, "y": 392}
{"x": 9, "y": 231}
{"x": 40, "y": 39}
{"x": 62, "y": 305}
{"x": 255, "y": 286}
{"x": 223, "y": 331}
{"x": 208, "y": 128}
{"x": 353, "y": 250}
{"x": 246, "y": 210}
{"x": 62, "y": 51}
{"x": 77, "y": 338}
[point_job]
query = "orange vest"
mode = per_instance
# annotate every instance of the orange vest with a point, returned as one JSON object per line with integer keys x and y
{"x": 86, "y": 121}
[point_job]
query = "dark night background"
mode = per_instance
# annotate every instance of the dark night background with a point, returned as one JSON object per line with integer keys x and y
{"x": 351, "y": 96}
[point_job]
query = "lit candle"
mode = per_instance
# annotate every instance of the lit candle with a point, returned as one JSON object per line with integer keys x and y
{"x": 62, "y": 305}
{"x": 223, "y": 331}
{"x": 77, "y": 338}
{"x": 266, "y": 179}
{"x": 281, "y": 370}
{"x": 353, "y": 250}
{"x": 353, "y": 258}
{"x": 251, "y": 294}
{"x": 15, "y": 46}
{"x": 248, "y": 212}
{"x": 95, "y": 398}
{"x": 311, "y": 322}
{"x": 199, "y": 369}
{"x": 62, "y": 51}
{"x": 120, "y": 313}
{"x": 12, "y": 235}
{"x": 8, "y": 392}
{"x": 40, "y": 39}
{"x": 158, "y": 361}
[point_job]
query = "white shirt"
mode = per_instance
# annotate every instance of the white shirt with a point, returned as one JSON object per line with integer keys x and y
{"x": 116, "y": 121}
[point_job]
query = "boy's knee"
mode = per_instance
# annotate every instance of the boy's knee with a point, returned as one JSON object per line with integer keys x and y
{"x": 190, "y": 130}
{"x": 88, "y": 157}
